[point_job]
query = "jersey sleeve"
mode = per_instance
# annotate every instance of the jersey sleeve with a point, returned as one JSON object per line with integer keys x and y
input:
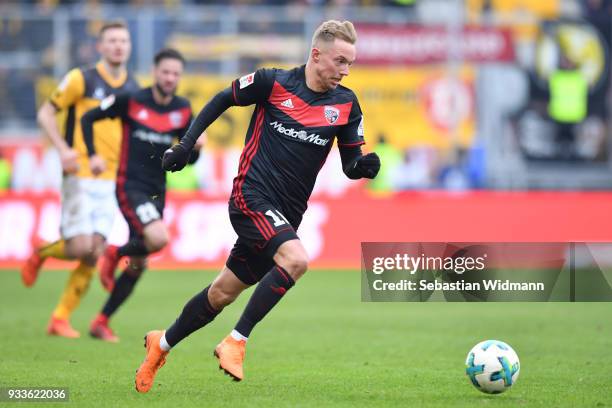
{"x": 114, "y": 106}
{"x": 183, "y": 131}
{"x": 69, "y": 90}
{"x": 195, "y": 154}
{"x": 110, "y": 107}
{"x": 352, "y": 134}
{"x": 254, "y": 87}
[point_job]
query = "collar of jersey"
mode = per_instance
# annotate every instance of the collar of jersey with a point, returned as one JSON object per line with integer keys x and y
{"x": 114, "y": 82}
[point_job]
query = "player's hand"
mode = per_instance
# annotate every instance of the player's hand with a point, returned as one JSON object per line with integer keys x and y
{"x": 368, "y": 165}
{"x": 69, "y": 159}
{"x": 97, "y": 165}
{"x": 175, "y": 158}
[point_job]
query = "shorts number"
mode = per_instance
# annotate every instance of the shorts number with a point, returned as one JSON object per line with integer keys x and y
{"x": 147, "y": 212}
{"x": 278, "y": 218}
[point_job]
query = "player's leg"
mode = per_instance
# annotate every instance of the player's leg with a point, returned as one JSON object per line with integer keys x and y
{"x": 85, "y": 227}
{"x": 74, "y": 217}
{"x": 197, "y": 313}
{"x": 291, "y": 262}
{"x": 286, "y": 262}
{"x": 151, "y": 235}
{"x": 74, "y": 290}
{"x": 77, "y": 231}
{"x": 124, "y": 285}
{"x": 148, "y": 234}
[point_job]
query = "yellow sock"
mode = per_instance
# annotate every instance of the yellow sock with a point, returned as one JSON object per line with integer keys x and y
{"x": 55, "y": 250}
{"x": 75, "y": 289}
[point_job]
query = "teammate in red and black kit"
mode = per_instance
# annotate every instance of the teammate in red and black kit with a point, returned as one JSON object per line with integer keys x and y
{"x": 298, "y": 113}
{"x": 152, "y": 119}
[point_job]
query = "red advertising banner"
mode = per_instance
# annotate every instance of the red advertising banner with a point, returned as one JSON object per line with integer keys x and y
{"x": 334, "y": 227}
{"x": 382, "y": 44}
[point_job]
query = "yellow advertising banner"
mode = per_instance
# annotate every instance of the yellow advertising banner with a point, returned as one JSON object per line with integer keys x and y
{"x": 421, "y": 106}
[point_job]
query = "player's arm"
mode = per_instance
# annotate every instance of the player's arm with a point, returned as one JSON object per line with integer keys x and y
{"x": 250, "y": 89}
{"x": 199, "y": 144}
{"x": 110, "y": 108}
{"x": 355, "y": 164}
{"x": 70, "y": 89}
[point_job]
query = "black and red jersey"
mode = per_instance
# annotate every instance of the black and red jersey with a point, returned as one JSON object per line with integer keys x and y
{"x": 149, "y": 129}
{"x": 290, "y": 135}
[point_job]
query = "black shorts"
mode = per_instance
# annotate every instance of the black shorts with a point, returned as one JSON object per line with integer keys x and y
{"x": 140, "y": 209}
{"x": 261, "y": 229}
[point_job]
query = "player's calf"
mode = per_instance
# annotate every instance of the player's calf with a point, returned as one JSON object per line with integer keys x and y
{"x": 197, "y": 313}
{"x": 225, "y": 289}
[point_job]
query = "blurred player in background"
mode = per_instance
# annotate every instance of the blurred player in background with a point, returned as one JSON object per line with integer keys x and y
{"x": 298, "y": 114}
{"x": 152, "y": 119}
{"x": 88, "y": 200}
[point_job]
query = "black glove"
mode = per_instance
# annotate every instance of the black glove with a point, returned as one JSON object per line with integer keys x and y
{"x": 175, "y": 158}
{"x": 368, "y": 165}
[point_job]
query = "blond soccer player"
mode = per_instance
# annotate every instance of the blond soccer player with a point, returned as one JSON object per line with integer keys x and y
{"x": 88, "y": 201}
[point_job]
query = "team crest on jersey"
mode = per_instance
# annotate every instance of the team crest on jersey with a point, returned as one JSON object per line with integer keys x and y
{"x": 99, "y": 93}
{"x": 107, "y": 102}
{"x": 331, "y": 114}
{"x": 176, "y": 118}
{"x": 247, "y": 80}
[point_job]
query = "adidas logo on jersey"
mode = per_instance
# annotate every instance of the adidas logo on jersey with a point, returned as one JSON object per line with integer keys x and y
{"x": 299, "y": 134}
{"x": 143, "y": 114}
{"x": 288, "y": 103}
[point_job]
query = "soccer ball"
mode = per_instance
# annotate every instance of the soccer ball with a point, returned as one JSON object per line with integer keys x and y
{"x": 492, "y": 366}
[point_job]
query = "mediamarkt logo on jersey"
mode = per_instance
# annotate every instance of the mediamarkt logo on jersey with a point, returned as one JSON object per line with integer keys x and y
{"x": 153, "y": 137}
{"x": 299, "y": 134}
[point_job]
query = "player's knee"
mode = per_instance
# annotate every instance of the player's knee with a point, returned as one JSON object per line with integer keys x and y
{"x": 295, "y": 265}
{"x": 157, "y": 242}
{"x": 92, "y": 253}
{"x": 80, "y": 249}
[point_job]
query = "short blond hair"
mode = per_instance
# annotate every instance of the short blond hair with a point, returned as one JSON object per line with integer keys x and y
{"x": 329, "y": 30}
{"x": 110, "y": 25}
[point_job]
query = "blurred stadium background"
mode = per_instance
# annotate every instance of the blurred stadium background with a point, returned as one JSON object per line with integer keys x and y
{"x": 491, "y": 117}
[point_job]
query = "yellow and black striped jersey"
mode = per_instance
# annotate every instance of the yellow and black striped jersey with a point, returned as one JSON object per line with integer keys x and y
{"x": 80, "y": 90}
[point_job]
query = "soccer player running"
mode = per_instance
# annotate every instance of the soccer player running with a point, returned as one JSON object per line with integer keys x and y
{"x": 297, "y": 115}
{"x": 88, "y": 201}
{"x": 152, "y": 119}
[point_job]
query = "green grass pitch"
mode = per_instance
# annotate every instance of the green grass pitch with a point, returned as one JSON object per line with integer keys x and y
{"x": 320, "y": 347}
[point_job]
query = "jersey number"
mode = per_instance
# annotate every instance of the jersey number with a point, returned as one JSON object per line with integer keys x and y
{"x": 147, "y": 212}
{"x": 278, "y": 218}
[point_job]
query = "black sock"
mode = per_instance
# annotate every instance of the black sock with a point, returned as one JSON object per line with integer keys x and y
{"x": 123, "y": 287}
{"x": 197, "y": 313}
{"x": 134, "y": 247}
{"x": 266, "y": 295}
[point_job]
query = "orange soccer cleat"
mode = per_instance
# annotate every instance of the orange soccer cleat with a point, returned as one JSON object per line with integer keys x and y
{"x": 29, "y": 271}
{"x": 99, "y": 329}
{"x": 154, "y": 360}
{"x": 230, "y": 353}
{"x": 108, "y": 264}
{"x": 61, "y": 328}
